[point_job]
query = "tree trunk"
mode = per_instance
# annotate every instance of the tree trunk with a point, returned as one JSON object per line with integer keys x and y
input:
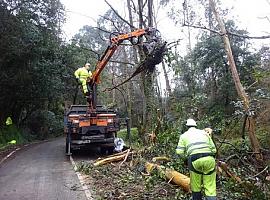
{"x": 150, "y": 13}
{"x": 128, "y": 89}
{"x": 140, "y": 13}
{"x": 113, "y": 83}
{"x": 240, "y": 90}
{"x": 168, "y": 87}
{"x": 130, "y": 14}
{"x": 147, "y": 78}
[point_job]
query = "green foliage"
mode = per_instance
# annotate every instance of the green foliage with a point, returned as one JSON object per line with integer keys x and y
{"x": 30, "y": 57}
{"x": 133, "y": 135}
{"x": 245, "y": 191}
{"x": 263, "y": 135}
{"x": 45, "y": 124}
{"x": 9, "y": 133}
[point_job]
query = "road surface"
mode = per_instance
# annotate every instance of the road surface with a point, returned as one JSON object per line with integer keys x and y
{"x": 40, "y": 172}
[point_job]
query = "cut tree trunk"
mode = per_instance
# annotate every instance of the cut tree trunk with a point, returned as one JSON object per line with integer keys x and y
{"x": 171, "y": 175}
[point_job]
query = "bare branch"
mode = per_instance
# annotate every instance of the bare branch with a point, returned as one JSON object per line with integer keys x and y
{"x": 249, "y": 37}
{"x": 260, "y": 172}
{"x": 119, "y": 15}
{"x": 173, "y": 44}
{"x": 229, "y": 33}
{"x": 120, "y": 62}
{"x": 113, "y": 23}
{"x": 202, "y": 27}
{"x": 103, "y": 30}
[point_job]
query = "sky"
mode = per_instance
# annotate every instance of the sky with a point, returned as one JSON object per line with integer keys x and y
{"x": 249, "y": 15}
{"x": 84, "y": 12}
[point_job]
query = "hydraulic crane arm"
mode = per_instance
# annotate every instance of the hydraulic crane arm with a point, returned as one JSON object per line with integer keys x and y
{"x": 134, "y": 37}
{"x": 114, "y": 43}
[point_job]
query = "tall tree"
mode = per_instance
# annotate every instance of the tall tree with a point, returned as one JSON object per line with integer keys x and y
{"x": 240, "y": 90}
{"x": 30, "y": 57}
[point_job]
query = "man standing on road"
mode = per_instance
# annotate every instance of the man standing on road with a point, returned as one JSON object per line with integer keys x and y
{"x": 82, "y": 74}
{"x": 200, "y": 150}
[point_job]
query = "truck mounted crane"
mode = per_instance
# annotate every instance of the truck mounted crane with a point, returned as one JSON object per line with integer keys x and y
{"x": 92, "y": 124}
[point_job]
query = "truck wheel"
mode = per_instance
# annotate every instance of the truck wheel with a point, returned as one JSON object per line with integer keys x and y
{"x": 110, "y": 150}
{"x": 106, "y": 150}
{"x": 68, "y": 147}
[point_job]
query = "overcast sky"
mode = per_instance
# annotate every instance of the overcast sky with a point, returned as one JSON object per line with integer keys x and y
{"x": 249, "y": 14}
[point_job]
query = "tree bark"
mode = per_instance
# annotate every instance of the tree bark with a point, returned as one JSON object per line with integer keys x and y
{"x": 168, "y": 87}
{"x": 128, "y": 89}
{"x": 240, "y": 90}
{"x": 130, "y": 15}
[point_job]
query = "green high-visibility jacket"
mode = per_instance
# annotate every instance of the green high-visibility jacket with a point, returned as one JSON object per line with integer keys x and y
{"x": 195, "y": 141}
{"x": 9, "y": 121}
{"x": 82, "y": 73}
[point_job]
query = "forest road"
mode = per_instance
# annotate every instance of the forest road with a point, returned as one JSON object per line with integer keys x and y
{"x": 41, "y": 172}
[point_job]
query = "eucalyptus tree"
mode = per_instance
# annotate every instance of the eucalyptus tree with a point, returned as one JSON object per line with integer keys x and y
{"x": 233, "y": 62}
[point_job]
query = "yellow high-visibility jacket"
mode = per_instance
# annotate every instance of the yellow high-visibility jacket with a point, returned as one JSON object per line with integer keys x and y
{"x": 82, "y": 73}
{"x": 9, "y": 121}
{"x": 195, "y": 141}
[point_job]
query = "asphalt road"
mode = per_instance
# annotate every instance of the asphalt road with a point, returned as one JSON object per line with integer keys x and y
{"x": 40, "y": 172}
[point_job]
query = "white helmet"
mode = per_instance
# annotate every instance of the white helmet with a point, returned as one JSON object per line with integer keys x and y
{"x": 191, "y": 122}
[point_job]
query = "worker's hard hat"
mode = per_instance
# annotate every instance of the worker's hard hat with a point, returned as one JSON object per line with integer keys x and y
{"x": 191, "y": 122}
{"x": 87, "y": 64}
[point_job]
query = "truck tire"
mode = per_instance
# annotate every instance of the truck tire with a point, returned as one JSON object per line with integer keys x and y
{"x": 68, "y": 147}
{"x": 106, "y": 150}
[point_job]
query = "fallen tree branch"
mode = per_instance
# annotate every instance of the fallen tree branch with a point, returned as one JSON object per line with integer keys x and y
{"x": 113, "y": 155}
{"x": 222, "y": 166}
{"x": 261, "y": 172}
{"x": 171, "y": 175}
{"x": 113, "y": 158}
{"x": 124, "y": 158}
{"x": 161, "y": 158}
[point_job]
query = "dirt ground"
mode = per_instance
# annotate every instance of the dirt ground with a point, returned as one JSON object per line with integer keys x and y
{"x": 128, "y": 181}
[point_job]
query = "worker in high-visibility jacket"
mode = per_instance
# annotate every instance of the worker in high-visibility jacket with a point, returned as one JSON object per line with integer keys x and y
{"x": 9, "y": 121}
{"x": 82, "y": 74}
{"x": 199, "y": 149}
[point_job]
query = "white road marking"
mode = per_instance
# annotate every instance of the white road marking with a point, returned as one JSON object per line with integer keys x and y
{"x": 10, "y": 154}
{"x": 84, "y": 186}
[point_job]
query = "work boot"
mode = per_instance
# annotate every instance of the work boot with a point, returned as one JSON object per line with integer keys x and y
{"x": 196, "y": 196}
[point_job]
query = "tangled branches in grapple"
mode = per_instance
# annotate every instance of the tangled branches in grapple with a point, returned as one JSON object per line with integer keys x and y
{"x": 148, "y": 64}
{"x": 153, "y": 58}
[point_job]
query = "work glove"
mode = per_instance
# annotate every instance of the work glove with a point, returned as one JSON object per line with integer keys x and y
{"x": 78, "y": 80}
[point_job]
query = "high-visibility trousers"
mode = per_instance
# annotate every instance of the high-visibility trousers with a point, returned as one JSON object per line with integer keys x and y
{"x": 204, "y": 180}
{"x": 84, "y": 85}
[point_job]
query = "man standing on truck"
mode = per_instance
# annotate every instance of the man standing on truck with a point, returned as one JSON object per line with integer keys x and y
{"x": 200, "y": 150}
{"x": 82, "y": 74}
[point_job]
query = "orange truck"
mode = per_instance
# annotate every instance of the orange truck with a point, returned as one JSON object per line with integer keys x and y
{"x": 93, "y": 125}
